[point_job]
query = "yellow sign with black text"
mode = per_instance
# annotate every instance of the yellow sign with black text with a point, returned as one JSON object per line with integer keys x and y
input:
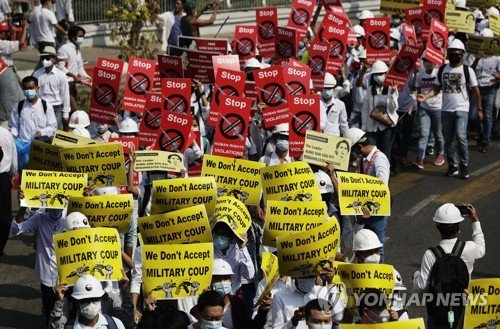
{"x": 393, "y": 7}
{"x": 64, "y": 138}
{"x": 234, "y": 213}
{"x": 494, "y": 24}
{"x": 463, "y": 21}
{"x": 270, "y": 269}
{"x": 483, "y": 308}
{"x": 44, "y": 156}
{"x": 406, "y": 324}
{"x": 321, "y": 148}
{"x": 158, "y": 161}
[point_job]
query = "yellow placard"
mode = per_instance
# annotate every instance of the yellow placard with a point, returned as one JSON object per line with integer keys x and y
{"x": 188, "y": 225}
{"x": 494, "y": 24}
{"x": 234, "y": 213}
{"x": 392, "y": 7}
{"x": 358, "y": 277}
{"x": 113, "y": 211}
{"x": 289, "y": 217}
{"x": 483, "y": 308}
{"x": 320, "y": 149}
{"x": 180, "y": 193}
{"x": 309, "y": 252}
{"x": 357, "y": 190}
{"x": 44, "y": 156}
{"x": 406, "y": 324}
{"x": 95, "y": 251}
{"x": 50, "y": 189}
{"x": 463, "y": 21}
{"x": 158, "y": 160}
{"x": 290, "y": 182}
{"x": 270, "y": 268}
{"x": 483, "y": 3}
{"x": 63, "y": 138}
{"x": 235, "y": 177}
{"x": 176, "y": 270}
{"x": 103, "y": 162}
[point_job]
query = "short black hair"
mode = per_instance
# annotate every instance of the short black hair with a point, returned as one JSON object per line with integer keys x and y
{"x": 448, "y": 230}
{"x": 316, "y": 306}
{"x": 342, "y": 142}
{"x": 29, "y": 79}
{"x": 209, "y": 298}
{"x": 73, "y": 31}
{"x": 371, "y": 297}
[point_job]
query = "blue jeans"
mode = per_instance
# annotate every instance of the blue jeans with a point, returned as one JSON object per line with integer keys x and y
{"x": 378, "y": 225}
{"x": 355, "y": 120}
{"x": 484, "y": 127}
{"x": 455, "y": 136}
{"x": 429, "y": 120}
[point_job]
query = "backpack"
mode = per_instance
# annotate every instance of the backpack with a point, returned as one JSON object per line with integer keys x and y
{"x": 110, "y": 320}
{"x": 449, "y": 275}
{"x": 466, "y": 74}
{"x": 21, "y": 103}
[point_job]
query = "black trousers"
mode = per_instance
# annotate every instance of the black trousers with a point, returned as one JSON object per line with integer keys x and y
{"x": 5, "y": 209}
{"x": 48, "y": 301}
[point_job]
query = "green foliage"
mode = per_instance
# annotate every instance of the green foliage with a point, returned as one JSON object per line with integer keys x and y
{"x": 128, "y": 22}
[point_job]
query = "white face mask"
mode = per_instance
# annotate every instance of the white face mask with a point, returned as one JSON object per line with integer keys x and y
{"x": 47, "y": 63}
{"x": 90, "y": 310}
{"x": 372, "y": 259}
{"x": 79, "y": 41}
{"x": 305, "y": 285}
{"x": 379, "y": 78}
{"x": 383, "y": 317}
{"x": 320, "y": 326}
{"x": 211, "y": 324}
{"x": 282, "y": 145}
{"x": 223, "y": 287}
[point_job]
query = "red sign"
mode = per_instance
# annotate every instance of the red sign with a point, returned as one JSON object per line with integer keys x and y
{"x": 301, "y": 14}
{"x": 110, "y": 64}
{"x": 415, "y": 17}
{"x": 403, "y": 66}
{"x": 378, "y": 39}
{"x": 337, "y": 37}
{"x": 232, "y": 128}
{"x": 286, "y": 44}
{"x": 170, "y": 66}
{"x": 151, "y": 120}
{"x": 127, "y": 143}
{"x": 218, "y": 46}
{"x": 329, "y": 4}
{"x": 318, "y": 59}
{"x": 245, "y": 42}
{"x": 437, "y": 42}
{"x": 409, "y": 35}
{"x": 250, "y": 90}
{"x": 140, "y": 80}
{"x": 3, "y": 66}
{"x": 267, "y": 20}
{"x": 304, "y": 115}
{"x": 104, "y": 98}
{"x": 176, "y": 95}
{"x": 272, "y": 91}
{"x": 198, "y": 64}
{"x": 297, "y": 79}
{"x": 433, "y": 9}
{"x": 174, "y": 132}
{"x": 229, "y": 83}
{"x": 332, "y": 19}
{"x": 230, "y": 62}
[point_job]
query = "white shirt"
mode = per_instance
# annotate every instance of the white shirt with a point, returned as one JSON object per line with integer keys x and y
{"x": 486, "y": 70}
{"x": 64, "y": 8}
{"x": 101, "y": 323}
{"x": 43, "y": 21}
{"x": 380, "y": 166}
{"x": 390, "y": 102}
{"x": 473, "y": 250}
{"x": 425, "y": 81}
{"x": 241, "y": 264}
{"x": 272, "y": 159}
{"x": 7, "y": 48}
{"x": 32, "y": 119}
{"x": 54, "y": 88}
{"x": 284, "y": 305}
{"x": 278, "y": 286}
{"x": 73, "y": 58}
{"x": 33, "y": 30}
{"x": 9, "y": 160}
{"x": 333, "y": 117}
{"x": 455, "y": 96}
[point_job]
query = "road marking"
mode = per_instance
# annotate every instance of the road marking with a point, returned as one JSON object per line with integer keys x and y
{"x": 403, "y": 181}
{"x": 485, "y": 169}
{"x": 416, "y": 208}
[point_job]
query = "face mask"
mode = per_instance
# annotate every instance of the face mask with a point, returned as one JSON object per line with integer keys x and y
{"x": 221, "y": 242}
{"x": 224, "y": 287}
{"x": 54, "y": 213}
{"x": 379, "y": 79}
{"x": 429, "y": 66}
{"x": 320, "y": 326}
{"x": 211, "y": 324}
{"x": 396, "y": 22}
{"x": 47, "y": 63}
{"x": 301, "y": 45}
{"x": 30, "y": 94}
{"x": 383, "y": 317}
{"x": 305, "y": 285}
{"x": 372, "y": 259}
{"x": 90, "y": 310}
{"x": 327, "y": 93}
{"x": 79, "y": 41}
{"x": 454, "y": 58}
{"x": 282, "y": 145}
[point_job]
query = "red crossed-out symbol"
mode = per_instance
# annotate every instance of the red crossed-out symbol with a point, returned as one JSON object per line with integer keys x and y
{"x": 266, "y": 30}
{"x": 285, "y": 49}
{"x": 303, "y": 121}
{"x": 171, "y": 140}
{"x": 378, "y": 40}
{"x": 317, "y": 65}
{"x": 175, "y": 103}
{"x": 232, "y": 126}
{"x": 152, "y": 118}
{"x": 139, "y": 83}
{"x": 104, "y": 94}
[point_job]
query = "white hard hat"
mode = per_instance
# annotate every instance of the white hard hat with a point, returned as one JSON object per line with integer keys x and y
{"x": 460, "y": 4}
{"x": 366, "y": 14}
{"x": 356, "y": 135}
{"x": 448, "y": 214}
{"x": 81, "y": 131}
{"x": 329, "y": 81}
{"x": 128, "y": 126}
{"x": 493, "y": 11}
{"x": 221, "y": 267}
{"x": 87, "y": 286}
{"x": 281, "y": 129}
{"x": 379, "y": 67}
{"x": 108, "y": 190}
{"x": 478, "y": 14}
{"x": 253, "y": 62}
{"x": 457, "y": 44}
{"x": 365, "y": 240}
{"x": 486, "y": 32}
{"x": 76, "y": 220}
{"x": 324, "y": 182}
{"x": 79, "y": 119}
{"x": 398, "y": 285}
{"x": 359, "y": 30}
{"x": 395, "y": 34}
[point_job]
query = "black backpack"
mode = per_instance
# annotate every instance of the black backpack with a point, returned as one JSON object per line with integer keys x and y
{"x": 110, "y": 320}
{"x": 21, "y": 103}
{"x": 449, "y": 276}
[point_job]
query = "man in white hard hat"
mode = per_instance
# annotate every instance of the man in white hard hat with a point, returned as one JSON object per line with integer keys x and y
{"x": 455, "y": 80}
{"x": 251, "y": 65}
{"x": 365, "y": 14}
{"x": 279, "y": 141}
{"x": 366, "y": 247}
{"x": 333, "y": 114}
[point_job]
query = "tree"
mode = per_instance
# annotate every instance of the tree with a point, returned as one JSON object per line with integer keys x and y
{"x": 129, "y": 20}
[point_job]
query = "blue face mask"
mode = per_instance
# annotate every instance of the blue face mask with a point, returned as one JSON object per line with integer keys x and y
{"x": 54, "y": 213}
{"x": 221, "y": 242}
{"x": 282, "y": 145}
{"x": 30, "y": 94}
{"x": 327, "y": 93}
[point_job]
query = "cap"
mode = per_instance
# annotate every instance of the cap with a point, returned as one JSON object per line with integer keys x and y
{"x": 356, "y": 135}
{"x": 221, "y": 267}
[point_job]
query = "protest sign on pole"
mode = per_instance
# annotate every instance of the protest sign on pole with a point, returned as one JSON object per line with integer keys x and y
{"x": 188, "y": 225}
{"x": 112, "y": 64}
{"x": 476, "y": 43}
{"x": 378, "y": 39}
{"x": 50, "y": 189}
{"x": 321, "y": 148}
{"x": 174, "y": 194}
{"x": 139, "y": 82}
{"x": 409, "y": 34}
{"x": 94, "y": 251}
{"x": 229, "y": 83}
{"x": 245, "y": 37}
{"x": 269, "y": 266}
{"x": 297, "y": 78}
{"x": 214, "y": 45}
{"x": 438, "y": 38}
{"x": 484, "y": 302}
{"x": 179, "y": 271}
{"x": 149, "y": 160}
{"x": 113, "y": 211}
{"x": 228, "y": 62}
{"x": 170, "y": 67}
{"x": 462, "y": 21}
{"x": 44, "y": 156}
{"x": 337, "y": 37}
{"x": 176, "y": 95}
{"x": 433, "y": 9}
{"x": 304, "y": 116}
{"x": 64, "y": 138}
{"x": 494, "y": 24}
{"x": 301, "y": 14}
{"x": 103, "y": 162}
{"x": 318, "y": 58}
{"x": 415, "y": 17}
{"x": 267, "y": 20}
{"x": 174, "y": 132}
{"x": 104, "y": 95}
{"x": 285, "y": 44}
{"x": 234, "y": 213}
{"x": 235, "y": 177}
{"x": 197, "y": 64}
{"x": 357, "y": 190}
{"x": 403, "y": 66}
{"x": 151, "y": 120}
{"x": 271, "y": 90}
